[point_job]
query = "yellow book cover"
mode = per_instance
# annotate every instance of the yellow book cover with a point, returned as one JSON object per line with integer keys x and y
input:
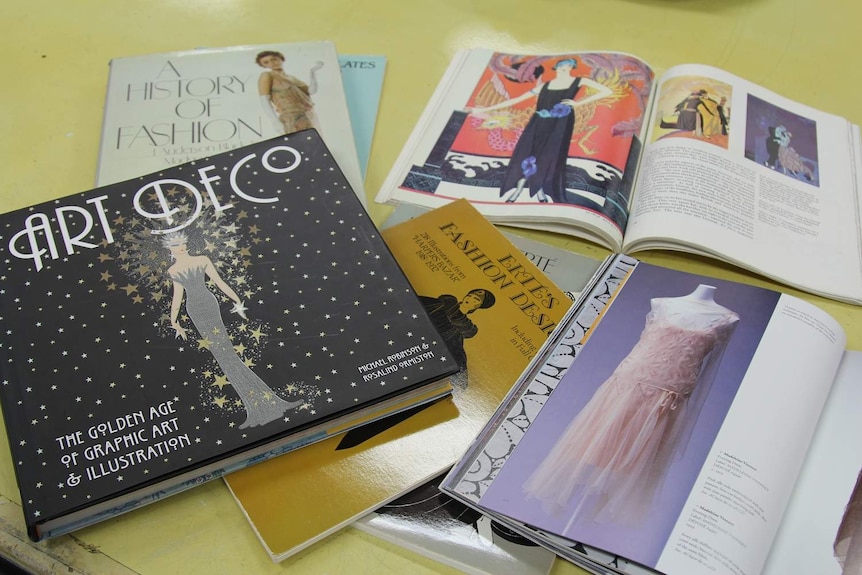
{"x": 494, "y": 308}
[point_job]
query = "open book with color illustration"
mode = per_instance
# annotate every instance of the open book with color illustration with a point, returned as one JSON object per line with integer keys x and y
{"x": 594, "y": 145}
{"x": 665, "y": 425}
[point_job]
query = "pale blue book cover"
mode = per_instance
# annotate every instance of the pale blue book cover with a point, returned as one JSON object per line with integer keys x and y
{"x": 362, "y": 77}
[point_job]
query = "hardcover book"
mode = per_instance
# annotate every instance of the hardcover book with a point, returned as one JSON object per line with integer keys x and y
{"x": 171, "y": 108}
{"x": 593, "y": 145}
{"x": 164, "y": 330}
{"x": 494, "y": 309}
{"x": 663, "y": 429}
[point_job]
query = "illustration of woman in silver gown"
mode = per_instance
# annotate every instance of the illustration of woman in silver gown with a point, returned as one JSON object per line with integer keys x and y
{"x": 613, "y": 456}
{"x": 189, "y": 274}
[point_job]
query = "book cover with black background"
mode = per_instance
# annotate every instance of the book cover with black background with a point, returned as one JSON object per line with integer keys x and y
{"x": 160, "y": 324}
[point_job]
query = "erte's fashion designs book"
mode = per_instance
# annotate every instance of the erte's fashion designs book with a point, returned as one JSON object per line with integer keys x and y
{"x": 593, "y": 145}
{"x": 162, "y": 331}
{"x": 171, "y": 108}
{"x": 493, "y": 307}
{"x": 662, "y": 429}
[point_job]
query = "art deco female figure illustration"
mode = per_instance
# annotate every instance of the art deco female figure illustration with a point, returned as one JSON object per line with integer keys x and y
{"x": 690, "y": 116}
{"x": 848, "y": 541}
{"x": 450, "y": 317}
{"x": 789, "y": 159}
{"x": 538, "y": 161}
{"x": 286, "y": 100}
{"x": 189, "y": 274}
{"x": 613, "y": 456}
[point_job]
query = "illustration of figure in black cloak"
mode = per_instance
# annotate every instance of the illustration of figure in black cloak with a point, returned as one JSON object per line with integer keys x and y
{"x": 450, "y": 316}
{"x": 691, "y": 111}
{"x": 722, "y": 115}
{"x": 538, "y": 161}
{"x": 189, "y": 274}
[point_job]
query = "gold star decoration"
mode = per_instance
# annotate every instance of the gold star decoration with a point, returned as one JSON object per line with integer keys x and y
{"x": 220, "y": 381}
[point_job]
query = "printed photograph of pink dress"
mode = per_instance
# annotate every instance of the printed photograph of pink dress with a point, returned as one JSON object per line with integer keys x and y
{"x": 614, "y": 454}
{"x": 616, "y": 449}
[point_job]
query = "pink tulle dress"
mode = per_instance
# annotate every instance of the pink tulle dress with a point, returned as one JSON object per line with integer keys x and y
{"x": 612, "y": 457}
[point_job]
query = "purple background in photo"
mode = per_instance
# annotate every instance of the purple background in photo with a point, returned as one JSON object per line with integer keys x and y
{"x": 760, "y": 115}
{"x": 620, "y": 330}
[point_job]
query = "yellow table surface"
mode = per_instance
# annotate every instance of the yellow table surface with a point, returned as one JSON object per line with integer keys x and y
{"x": 54, "y": 72}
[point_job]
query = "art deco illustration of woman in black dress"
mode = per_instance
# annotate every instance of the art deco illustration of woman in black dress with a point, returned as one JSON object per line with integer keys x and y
{"x": 450, "y": 316}
{"x": 189, "y": 274}
{"x": 538, "y": 161}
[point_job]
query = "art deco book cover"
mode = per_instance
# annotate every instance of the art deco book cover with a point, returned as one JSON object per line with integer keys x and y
{"x": 163, "y": 330}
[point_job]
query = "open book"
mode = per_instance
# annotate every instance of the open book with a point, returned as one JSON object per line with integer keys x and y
{"x": 664, "y": 427}
{"x": 593, "y": 145}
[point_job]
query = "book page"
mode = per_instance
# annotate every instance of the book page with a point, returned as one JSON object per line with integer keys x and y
{"x": 821, "y": 531}
{"x": 697, "y": 483}
{"x": 736, "y": 504}
{"x": 734, "y": 171}
{"x": 542, "y": 141}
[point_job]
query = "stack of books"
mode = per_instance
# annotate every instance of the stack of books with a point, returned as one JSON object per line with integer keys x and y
{"x": 222, "y": 305}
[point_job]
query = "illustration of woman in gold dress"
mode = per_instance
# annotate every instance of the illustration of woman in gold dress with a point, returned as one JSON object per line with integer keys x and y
{"x": 285, "y": 99}
{"x": 613, "y": 456}
{"x": 189, "y": 274}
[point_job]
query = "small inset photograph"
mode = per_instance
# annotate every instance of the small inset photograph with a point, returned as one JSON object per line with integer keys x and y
{"x": 694, "y": 107}
{"x": 781, "y": 141}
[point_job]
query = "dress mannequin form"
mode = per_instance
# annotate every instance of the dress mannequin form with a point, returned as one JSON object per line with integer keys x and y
{"x": 613, "y": 456}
